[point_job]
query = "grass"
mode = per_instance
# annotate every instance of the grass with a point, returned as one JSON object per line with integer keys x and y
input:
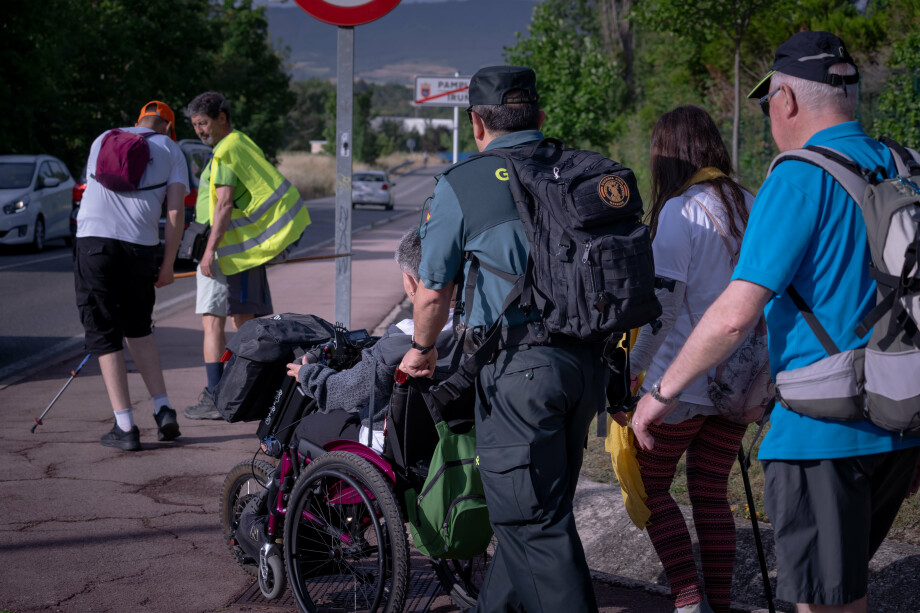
{"x": 314, "y": 174}
{"x": 597, "y": 467}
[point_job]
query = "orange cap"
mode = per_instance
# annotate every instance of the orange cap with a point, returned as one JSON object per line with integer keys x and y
{"x": 162, "y": 111}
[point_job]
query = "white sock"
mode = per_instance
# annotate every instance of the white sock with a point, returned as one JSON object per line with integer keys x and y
{"x": 159, "y": 402}
{"x": 125, "y": 419}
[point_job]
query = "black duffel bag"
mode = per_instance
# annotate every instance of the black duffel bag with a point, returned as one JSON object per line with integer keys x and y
{"x": 256, "y": 368}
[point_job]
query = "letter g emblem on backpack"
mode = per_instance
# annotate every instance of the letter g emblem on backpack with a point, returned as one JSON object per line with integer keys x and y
{"x": 501, "y": 174}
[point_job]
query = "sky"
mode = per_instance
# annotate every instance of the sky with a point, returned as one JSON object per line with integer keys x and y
{"x": 419, "y": 37}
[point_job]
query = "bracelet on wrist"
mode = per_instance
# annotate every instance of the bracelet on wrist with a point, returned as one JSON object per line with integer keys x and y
{"x": 421, "y": 348}
{"x": 655, "y": 392}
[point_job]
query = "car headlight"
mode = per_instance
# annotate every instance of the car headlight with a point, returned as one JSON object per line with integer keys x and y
{"x": 17, "y": 206}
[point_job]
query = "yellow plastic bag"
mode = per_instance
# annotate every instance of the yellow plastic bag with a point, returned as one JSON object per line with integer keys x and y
{"x": 620, "y": 443}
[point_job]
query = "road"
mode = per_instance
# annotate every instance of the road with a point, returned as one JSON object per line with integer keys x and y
{"x": 39, "y": 320}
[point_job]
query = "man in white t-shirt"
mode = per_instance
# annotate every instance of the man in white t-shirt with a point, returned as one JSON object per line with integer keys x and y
{"x": 116, "y": 273}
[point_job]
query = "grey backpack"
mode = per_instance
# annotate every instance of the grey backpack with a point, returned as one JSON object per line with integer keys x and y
{"x": 879, "y": 382}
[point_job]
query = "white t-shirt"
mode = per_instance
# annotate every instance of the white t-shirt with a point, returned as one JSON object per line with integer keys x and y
{"x": 688, "y": 248}
{"x": 131, "y": 216}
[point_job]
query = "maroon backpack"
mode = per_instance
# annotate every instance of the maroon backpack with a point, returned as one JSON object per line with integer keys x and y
{"x": 123, "y": 158}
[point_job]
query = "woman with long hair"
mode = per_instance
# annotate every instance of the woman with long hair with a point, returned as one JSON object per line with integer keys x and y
{"x": 697, "y": 218}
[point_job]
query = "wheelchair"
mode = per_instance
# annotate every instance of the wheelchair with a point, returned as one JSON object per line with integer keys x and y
{"x": 335, "y": 529}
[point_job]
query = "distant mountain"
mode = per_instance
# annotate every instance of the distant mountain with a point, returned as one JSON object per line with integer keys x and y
{"x": 435, "y": 38}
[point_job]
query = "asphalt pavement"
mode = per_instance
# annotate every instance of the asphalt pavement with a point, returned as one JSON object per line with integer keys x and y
{"x": 87, "y": 528}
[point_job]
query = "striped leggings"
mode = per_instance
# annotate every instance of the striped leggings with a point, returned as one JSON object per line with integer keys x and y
{"x": 712, "y": 445}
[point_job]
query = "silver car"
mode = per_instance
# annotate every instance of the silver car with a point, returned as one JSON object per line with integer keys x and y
{"x": 372, "y": 187}
{"x": 36, "y": 194}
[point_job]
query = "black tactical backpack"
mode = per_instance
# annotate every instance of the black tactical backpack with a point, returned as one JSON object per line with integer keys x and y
{"x": 590, "y": 274}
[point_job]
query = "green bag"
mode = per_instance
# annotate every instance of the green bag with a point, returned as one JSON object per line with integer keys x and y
{"x": 449, "y": 519}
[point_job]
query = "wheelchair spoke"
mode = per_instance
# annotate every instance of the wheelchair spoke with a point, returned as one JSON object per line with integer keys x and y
{"x": 339, "y": 535}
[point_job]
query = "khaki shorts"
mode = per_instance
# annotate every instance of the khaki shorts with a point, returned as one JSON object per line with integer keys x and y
{"x": 212, "y": 293}
{"x": 246, "y": 292}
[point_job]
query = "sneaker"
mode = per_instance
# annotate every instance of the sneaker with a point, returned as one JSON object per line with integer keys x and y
{"x": 700, "y": 607}
{"x": 205, "y": 408}
{"x": 118, "y": 438}
{"x": 167, "y": 427}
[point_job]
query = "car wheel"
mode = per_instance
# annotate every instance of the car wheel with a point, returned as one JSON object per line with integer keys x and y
{"x": 38, "y": 234}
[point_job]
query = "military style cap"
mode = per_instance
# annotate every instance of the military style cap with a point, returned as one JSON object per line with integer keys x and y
{"x": 491, "y": 85}
{"x": 809, "y": 55}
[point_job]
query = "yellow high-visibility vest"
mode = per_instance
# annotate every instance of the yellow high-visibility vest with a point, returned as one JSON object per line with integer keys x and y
{"x": 275, "y": 217}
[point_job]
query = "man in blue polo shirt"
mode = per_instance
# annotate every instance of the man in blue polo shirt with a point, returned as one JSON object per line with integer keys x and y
{"x": 832, "y": 488}
{"x": 534, "y": 402}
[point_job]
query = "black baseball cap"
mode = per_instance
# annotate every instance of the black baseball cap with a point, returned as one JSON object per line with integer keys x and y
{"x": 809, "y": 55}
{"x": 491, "y": 85}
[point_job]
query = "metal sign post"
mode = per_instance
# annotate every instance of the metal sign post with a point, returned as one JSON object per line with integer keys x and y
{"x": 457, "y": 126}
{"x": 346, "y": 14}
{"x": 343, "y": 167}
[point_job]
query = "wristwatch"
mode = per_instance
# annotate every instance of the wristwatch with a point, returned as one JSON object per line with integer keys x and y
{"x": 421, "y": 349}
{"x": 656, "y": 394}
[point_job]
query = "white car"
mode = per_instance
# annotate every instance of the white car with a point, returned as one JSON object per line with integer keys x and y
{"x": 372, "y": 187}
{"x": 36, "y": 194}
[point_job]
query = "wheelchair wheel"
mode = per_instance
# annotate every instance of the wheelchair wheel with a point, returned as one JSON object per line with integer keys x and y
{"x": 461, "y": 579}
{"x": 345, "y": 545}
{"x": 242, "y": 484}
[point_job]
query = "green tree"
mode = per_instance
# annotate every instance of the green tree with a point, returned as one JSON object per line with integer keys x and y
{"x": 579, "y": 84}
{"x": 87, "y": 71}
{"x": 307, "y": 120}
{"x": 70, "y": 69}
{"x": 363, "y": 139}
{"x": 250, "y": 73}
{"x": 898, "y": 110}
{"x": 703, "y": 21}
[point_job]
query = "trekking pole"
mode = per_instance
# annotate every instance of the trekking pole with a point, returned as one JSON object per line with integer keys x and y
{"x": 744, "y": 461}
{"x": 309, "y": 258}
{"x": 73, "y": 375}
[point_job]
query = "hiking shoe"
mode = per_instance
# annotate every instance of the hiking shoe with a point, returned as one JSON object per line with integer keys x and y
{"x": 167, "y": 427}
{"x": 118, "y": 438}
{"x": 205, "y": 408}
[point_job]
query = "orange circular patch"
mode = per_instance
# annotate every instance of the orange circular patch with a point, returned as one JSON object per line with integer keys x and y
{"x": 613, "y": 191}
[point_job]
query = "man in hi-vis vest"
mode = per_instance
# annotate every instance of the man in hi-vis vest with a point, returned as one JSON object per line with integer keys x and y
{"x": 255, "y": 214}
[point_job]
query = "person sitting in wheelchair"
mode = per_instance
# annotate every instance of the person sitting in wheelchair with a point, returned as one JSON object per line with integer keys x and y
{"x": 344, "y": 397}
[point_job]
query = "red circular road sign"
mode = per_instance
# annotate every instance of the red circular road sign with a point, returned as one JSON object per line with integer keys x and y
{"x": 347, "y": 12}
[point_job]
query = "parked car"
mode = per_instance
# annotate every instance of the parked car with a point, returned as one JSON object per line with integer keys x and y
{"x": 35, "y": 192}
{"x": 372, "y": 187}
{"x": 197, "y": 155}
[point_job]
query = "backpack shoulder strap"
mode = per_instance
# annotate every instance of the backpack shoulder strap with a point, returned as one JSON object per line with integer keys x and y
{"x": 850, "y": 175}
{"x": 718, "y": 226}
{"x": 812, "y": 320}
{"x": 907, "y": 160}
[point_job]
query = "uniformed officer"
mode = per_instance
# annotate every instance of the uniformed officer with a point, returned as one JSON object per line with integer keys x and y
{"x": 534, "y": 402}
